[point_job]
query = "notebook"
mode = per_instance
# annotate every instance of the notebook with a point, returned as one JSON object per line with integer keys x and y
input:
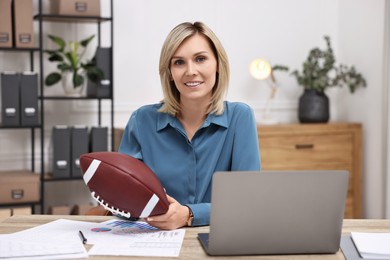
{"x": 276, "y": 212}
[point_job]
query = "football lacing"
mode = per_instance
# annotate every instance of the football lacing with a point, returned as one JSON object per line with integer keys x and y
{"x": 110, "y": 208}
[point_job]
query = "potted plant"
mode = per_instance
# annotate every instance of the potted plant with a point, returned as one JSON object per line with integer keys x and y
{"x": 71, "y": 69}
{"x": 320, "y": 72}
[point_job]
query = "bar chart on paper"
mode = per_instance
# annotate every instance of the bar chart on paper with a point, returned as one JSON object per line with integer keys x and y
{"x": 134, "y": 238}
{"x": 123, "y": 224}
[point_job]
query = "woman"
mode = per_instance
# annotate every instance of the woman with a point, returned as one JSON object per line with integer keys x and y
{"x": 193, "y": 132}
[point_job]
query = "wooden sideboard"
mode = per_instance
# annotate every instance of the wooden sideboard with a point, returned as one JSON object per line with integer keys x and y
{"x": 332, "y": 146}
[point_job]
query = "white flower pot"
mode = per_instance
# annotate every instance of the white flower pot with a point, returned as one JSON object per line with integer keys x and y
{"x": 69, "y": 89}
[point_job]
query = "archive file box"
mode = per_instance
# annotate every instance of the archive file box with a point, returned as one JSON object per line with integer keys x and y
{"x": 70, "y": 142}
{"x": 10, "y": 103}
{"x": 79, "y": 146}
{"x": 75, "y": 7}
{"x": 23, "y": 23}
{"x": 29, "y": 99}
{"x": 19, "y": 187}
{"x": 19, "y": 98}
{"x": 98, "y": 139}
{"x": 61, "y": 151}
{"x": 5, "y": 23}
{"x": 102, "y": 89}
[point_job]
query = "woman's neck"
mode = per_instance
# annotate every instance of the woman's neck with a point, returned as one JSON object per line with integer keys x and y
{"x": 192, "y": 117}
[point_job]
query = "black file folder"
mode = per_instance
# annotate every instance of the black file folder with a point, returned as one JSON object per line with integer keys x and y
{"x": 10, "y": 103}
{"x": 103, "y": 59}
{"x": 61, "y": 151}
{"x": 29, "y": 99}
{"x": 79, "y": 146}
{"x": 99, "y": 135}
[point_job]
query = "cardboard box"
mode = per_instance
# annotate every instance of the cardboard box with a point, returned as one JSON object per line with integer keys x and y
{"x": 19, "y": 186}
{"x": 75, "y": 7}
{"x": 24, "y": 29}
{"x": 21, "y": 211}
{"x": 81, "y": 209}
{"x": 5, "y": 23}
{"x": 5, "y": 213}
{"x": 59, "y": 210}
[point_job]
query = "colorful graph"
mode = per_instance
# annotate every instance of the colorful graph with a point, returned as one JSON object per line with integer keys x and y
{"x": 101, "y": 229}
{"x": 131, "y": 224}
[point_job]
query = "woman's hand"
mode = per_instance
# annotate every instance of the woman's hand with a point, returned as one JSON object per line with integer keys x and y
{"x": 176, "y": 216}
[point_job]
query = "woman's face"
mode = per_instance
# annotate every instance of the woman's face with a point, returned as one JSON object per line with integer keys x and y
{"x": 193, "y": 68}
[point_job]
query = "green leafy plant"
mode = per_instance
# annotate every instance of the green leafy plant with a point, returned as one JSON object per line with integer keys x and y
{"x": 319, "y": 71}
{"x": 70, "y": 60}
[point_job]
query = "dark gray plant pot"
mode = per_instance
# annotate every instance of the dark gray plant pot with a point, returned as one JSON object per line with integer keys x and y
{"x": 313, "y": 107}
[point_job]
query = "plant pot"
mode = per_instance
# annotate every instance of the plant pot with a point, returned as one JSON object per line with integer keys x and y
{"x": 69, "y": 88}
{"x": 313, "y": 107}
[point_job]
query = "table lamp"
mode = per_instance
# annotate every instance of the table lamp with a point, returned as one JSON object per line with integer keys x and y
{"x": 261, "y": 69}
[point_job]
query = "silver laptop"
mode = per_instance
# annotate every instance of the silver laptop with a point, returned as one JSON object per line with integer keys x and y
{"x": 276, "y": 212}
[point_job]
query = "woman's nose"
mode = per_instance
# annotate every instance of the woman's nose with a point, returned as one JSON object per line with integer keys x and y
{"x": 191, "y": 69}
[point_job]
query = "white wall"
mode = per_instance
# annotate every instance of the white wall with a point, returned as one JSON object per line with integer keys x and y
{"x": 248, "y": 29}
{"x": 362, "y": 31}
{"x": 282, "y": 31}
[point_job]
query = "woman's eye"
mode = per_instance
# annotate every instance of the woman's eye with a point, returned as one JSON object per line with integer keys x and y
{"x": 178, "y": 62}
{"x": 200, "y": 59}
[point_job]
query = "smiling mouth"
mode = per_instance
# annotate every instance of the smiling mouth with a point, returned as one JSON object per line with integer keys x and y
{"x": 193, "y": 84}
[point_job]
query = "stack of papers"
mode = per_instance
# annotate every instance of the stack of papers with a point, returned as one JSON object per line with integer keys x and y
{"x": 372, "y": 245}
{"x": 42, "y": 243}
{"x": 60, "y": 240}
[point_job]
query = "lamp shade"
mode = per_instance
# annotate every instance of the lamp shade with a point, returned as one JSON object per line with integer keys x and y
{"x": 260, "y": 69}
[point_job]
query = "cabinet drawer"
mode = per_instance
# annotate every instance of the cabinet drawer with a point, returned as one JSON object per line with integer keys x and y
{"x": 306, "y": 151}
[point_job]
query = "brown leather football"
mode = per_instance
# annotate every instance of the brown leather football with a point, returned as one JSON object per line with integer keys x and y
{"x": 123, "y": 184}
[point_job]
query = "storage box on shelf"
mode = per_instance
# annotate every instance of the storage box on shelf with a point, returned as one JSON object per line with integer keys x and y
{"x": 19, "y": 192}
{"x": 19, "y": 187}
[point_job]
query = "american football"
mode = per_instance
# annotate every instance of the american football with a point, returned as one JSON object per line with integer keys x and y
{"x": 123, "y": 184}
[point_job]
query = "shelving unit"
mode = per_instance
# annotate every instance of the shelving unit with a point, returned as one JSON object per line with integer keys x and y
{"x": 42, "y": 18}
{"x": 32, "y": 129}
{"x": 49, "y": 18}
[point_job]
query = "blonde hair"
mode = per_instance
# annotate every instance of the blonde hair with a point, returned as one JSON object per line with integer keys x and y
{"x": 183, "y": 31}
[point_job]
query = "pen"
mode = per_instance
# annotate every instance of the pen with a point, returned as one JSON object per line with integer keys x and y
{"x": 82, "y": 237}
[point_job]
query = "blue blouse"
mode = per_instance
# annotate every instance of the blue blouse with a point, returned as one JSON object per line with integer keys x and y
{"x": 227, "y": 142}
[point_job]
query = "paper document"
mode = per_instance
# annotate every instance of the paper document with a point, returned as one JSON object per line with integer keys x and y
{"x": 133, "y": 238}
{"x": 372, "y": 245}
{"x": 60, "y": 239}
{"x": 54, "y": 240}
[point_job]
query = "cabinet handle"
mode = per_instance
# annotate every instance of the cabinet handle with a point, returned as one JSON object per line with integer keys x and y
{"x": 304, "y": 146}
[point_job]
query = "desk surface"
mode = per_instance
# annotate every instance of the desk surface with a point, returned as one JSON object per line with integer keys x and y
{"x": 191, "y": 247}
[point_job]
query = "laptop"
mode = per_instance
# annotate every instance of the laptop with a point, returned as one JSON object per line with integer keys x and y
{"x": 276, "y": 212}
